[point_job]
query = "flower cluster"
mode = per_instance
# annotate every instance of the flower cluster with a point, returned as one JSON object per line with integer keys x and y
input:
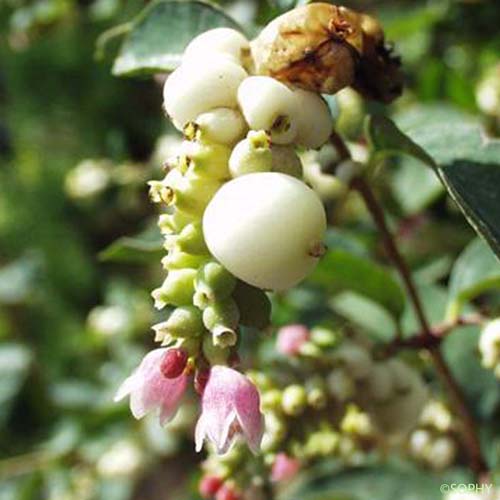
{"x": 325, "y": 396}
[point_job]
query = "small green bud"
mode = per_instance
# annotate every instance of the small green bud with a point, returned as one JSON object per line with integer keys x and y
{"x": 322, "y": 443}
{"x": 173, "y": 223}
{"x": 207, "y": 160}
{"x": 251, "y": 155}
{"x": 271, "y": 400}
{"x": 190, "y": 239}
{"x": 213, "y": 282}
{"x": 177, "y": 289}
{"x": 176, "y": 259}
{"x": 261, "y": 380}
{"x": 355, "y": 422}
{"x": 324, "y": 337}
{"x": 221, "y": 318}
{"x": 294, "y": 400}
{"x": 286, "y": 161}
{"x": 215, "y": 354}
{"x": 316, "y": 393}
{"x": 254, "y": 305}
{"x": 310, "y": 350}
{"x": 184, "y": 321}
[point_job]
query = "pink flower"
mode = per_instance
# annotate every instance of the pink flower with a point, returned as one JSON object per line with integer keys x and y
{"x": 149, "y": 389}
{"x": 284, "y": 468}
{"x": 230, "y": 408}
{"x": 291, "y": 338}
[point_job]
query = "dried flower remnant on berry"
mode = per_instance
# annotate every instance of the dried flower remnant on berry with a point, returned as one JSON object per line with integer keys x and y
{"x": 324, "y": 48}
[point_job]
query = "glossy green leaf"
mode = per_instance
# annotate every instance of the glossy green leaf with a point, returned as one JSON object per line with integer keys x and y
{"x": 475, "y": 271}
{"x": 159, "y": 35}
{"x": 386, "y": 139}
{"x": 468, "y": 164}
{"x": 340, "y": 270}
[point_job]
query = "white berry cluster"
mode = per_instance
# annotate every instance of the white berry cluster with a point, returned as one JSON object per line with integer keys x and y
{"x": 239, "y": 218}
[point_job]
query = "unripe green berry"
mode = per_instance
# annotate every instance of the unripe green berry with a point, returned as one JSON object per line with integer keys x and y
{"x": 190, "y": 239}
{"x": 221, "y": 318}
{"x": 294, "y": 400}
{"x": 184, "y": 321}
{"x": 177, "y": 289}
{"x": 194, "y": 194}
{"x": 251, "y": 155}
{"x": 340, "y": 385}
{"x": 173, "y": 223}
{"x": 206, "y": 159}
{"x": 213, "y": 282}
{"x": 176, "y": 259}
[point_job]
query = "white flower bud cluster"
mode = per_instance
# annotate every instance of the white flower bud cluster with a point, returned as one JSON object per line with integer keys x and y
{"x": 433, "y": 443}
{"x": 489, "y": 346}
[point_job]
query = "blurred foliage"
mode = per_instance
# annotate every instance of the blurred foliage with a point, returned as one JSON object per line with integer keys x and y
{"x": 76, "y": 147}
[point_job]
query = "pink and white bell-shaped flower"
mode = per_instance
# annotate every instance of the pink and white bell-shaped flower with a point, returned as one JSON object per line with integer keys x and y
{"x": 230, "y": 408}
{"x": 150, "y": 389}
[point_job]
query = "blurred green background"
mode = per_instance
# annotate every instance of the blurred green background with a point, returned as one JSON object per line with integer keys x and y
{"x": 76, "y": 148}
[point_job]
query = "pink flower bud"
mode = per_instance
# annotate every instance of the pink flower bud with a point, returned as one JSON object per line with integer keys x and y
{"x": 230, "y": 408}
{"x": 291, "y": 338}
{"x": 173, "y": 363}
{"x": 227, "y": 493}
{"x": 209, "y": 486}
{"x": 150, "y": 390}
{"x": 284, "y": 468}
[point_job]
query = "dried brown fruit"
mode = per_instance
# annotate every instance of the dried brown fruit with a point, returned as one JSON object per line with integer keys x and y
{"x": 324, "y": 48}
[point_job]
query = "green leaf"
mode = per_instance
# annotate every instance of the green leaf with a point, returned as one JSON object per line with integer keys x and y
{"x": 365, "y": 313}
{"x": 385, "y": 482}
{"x": 18, "y": 279}
{"x": 340, "y": 270}
{"x": 479, "y": 385}
{"x": 386, "y": 139}
{"x": 15, "y": 361}
{"x": 162, "y": 31}
{"x": 146, "y": 247}
{"x": 475, "y": 271}
{"x": 468, "y": 164}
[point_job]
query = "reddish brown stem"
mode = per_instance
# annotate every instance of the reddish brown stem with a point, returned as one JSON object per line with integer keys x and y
{"x": 426, "y": 339}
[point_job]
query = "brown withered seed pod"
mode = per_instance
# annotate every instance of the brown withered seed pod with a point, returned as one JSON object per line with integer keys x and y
{"x": 324, "y": 48}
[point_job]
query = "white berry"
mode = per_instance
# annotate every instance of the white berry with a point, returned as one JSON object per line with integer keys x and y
{"x": 195, "y": 88}
{"x": 315, "y": 121}
{"x": 269, "y": 105}
{"x": 219, "y": 40}
{"x": 266, "y": 229}
{"x": 222, "y": 125}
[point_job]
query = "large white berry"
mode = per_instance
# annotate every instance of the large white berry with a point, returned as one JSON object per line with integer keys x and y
{"x": 219, "y": 40}
{"x": 269, "y": 105}
{"x": 195, "y": 88}
{"x": 266, "y": 229}
{"x": 489, "y": 346}
{"x": 315, "y": 120}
